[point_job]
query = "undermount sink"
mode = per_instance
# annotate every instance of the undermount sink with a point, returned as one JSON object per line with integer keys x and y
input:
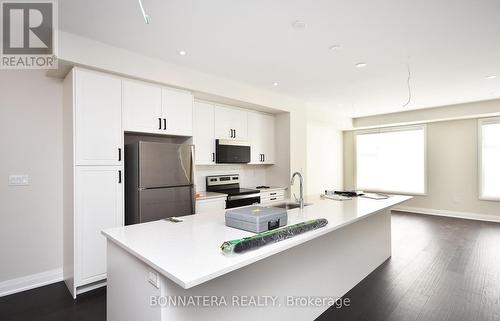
{"x": 290, "y": 206}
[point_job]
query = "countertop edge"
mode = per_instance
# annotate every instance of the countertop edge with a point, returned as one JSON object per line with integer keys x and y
{"x": 307, "y": 237}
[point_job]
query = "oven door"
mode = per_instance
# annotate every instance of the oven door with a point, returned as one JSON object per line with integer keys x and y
{"x": 242, "y": 200}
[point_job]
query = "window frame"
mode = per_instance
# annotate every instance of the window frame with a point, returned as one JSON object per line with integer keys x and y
{"x": 480, "y": 123}
{"x": 385, "y": 130}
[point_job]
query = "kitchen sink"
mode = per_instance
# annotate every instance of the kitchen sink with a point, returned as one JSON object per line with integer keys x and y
{"x": 290, "y": 206}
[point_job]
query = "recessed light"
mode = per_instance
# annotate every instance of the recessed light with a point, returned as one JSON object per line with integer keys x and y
{"x": 491, "y": 77}
{"x": 299, "y": 25}
{"x": 361, "y": 65}
{"x": 182, "y": 52}
{"x": 275, "y": 84}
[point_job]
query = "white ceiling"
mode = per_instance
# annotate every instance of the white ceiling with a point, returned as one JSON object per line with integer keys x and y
{"x": 451, "y": 45}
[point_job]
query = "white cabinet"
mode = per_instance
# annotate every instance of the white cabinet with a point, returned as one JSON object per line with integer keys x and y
{"x": 148, "y": 108}
{"x": 98, "y": 115}
{"x": 98, "y": 206}
{"x": 92, "y": 174}
{"x": 142, "y": 107}
{"x": 272, "y": 196}
{"x": 177, "y": 112}
{"x": 261, "y": 137}
{"x": 203, "y": 133}
{"x": 230, "y": 123}
{"x": 210, "y": 205}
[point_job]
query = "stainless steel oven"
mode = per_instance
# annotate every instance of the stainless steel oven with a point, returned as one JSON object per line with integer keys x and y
{"x": 230, "y": 185}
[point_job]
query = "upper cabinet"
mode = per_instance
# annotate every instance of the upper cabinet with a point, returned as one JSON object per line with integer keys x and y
{"x": 204, "y": 133}
{"x": 98, "y": 118}
{"x": 148, "y": 108}
{"x": 261, "y": 138}
{"x": 177, "y": 111}
{"x": 211, "y": 122}
{"x": 230, "y": 123}
{"x": 142, "y": 110}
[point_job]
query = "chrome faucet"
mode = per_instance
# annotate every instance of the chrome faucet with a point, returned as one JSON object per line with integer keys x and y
{"x": 301, "y": 180}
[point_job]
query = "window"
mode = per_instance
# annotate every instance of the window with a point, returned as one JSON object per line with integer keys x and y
{"x": 489, "y": 159}
{"x": 391, "y": 160}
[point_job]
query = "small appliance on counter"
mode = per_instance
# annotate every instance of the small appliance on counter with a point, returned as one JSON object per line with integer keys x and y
{"x": 256, "y": 219}
{"x": 230, "y": 185}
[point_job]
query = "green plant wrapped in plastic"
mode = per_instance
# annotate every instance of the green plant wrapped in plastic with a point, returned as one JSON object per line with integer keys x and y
{"x": 269, "y": 237}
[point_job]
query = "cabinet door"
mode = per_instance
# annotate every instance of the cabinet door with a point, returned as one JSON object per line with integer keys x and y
{"x": 98, "y": 206}
{"x": 142, "y": 110}
{"x": 230, "y": 123}
{"x": 261, "y": 137}
{"x": 268, "y": 137}
{"x": 177, "y": 109}
{"x": 255, "y": 137}
{"x": 98, "y": 120}
{"x": 210, "y": 205}
{"x": 203, "y": 133}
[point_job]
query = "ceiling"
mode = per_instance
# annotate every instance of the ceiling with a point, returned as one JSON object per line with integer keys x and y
{"x": 450, "y": 45}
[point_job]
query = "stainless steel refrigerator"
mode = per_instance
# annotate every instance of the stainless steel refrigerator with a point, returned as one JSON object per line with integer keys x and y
{"x": 159, "y": 181}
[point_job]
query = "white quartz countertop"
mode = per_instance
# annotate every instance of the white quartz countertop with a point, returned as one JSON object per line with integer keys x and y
{"x": 189, "y": 252}
{"x": 209, "y": 195}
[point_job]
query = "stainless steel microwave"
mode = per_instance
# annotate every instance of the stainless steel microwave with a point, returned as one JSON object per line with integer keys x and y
{"x": 229, "y": 151}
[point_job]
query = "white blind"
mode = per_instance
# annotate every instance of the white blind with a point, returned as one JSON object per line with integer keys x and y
{"x": 391, "y": 160}
{"x": 490, "y": 160}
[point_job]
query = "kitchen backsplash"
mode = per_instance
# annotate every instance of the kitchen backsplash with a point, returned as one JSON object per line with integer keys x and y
{"x": 250, "y": 175}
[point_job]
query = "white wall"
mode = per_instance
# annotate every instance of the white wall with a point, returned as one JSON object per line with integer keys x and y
{"x": 324, "y": 163}
{"x": 31, "y": 143}
{"x": 324, "y": 150}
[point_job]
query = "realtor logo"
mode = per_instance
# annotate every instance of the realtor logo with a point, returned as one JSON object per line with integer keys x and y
{"x": 28, "y": 35}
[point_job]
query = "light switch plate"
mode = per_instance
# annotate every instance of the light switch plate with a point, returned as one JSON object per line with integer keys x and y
{"x": 19, "y": 180}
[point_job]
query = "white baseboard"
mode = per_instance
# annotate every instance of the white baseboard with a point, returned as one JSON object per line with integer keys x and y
{"x": 30, "y": 282}
{"x": 464, "y": 215}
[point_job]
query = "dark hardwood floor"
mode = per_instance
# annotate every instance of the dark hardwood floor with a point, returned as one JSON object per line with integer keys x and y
{"x": 441, "y": 269}
{"x": 53, "y": 303}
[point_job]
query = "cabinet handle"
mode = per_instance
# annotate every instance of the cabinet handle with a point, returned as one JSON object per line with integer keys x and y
{"x": 213, "y": 157}
{"x": 119, "y": 154}
{"x": 263, "y": 157}
{"x": 272, "y": 193}
{"x": 273, "y": 199}
{"x": 119, "y": 177}
{"x": 234, "y": 133}
{"x": 164, "y": 123}
{"x": 159, "y": 123}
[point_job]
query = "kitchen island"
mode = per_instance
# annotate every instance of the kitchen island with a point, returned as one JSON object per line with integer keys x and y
{"x": 176, "y": 271}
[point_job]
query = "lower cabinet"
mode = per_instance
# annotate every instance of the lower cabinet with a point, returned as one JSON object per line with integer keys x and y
{"x": 98, "y": 206}
{"x": 210, "y": 205}
{"x": 272, "y": 196}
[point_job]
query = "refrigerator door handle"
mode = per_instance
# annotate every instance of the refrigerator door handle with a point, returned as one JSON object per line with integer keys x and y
{"x": 193, "y": 199}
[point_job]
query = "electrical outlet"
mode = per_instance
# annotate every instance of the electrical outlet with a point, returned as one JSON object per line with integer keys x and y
{"x": 154, "y": 278}
{"x": 19, "y": 180}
